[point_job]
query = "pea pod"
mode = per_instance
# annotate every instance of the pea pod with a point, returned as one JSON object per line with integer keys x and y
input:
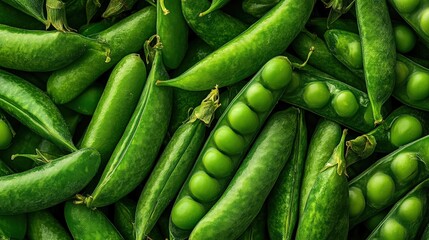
{"x": 245, "y": 54}
{"x": 258, "y": 8}
{"x": 43, "y": 225}
{"x": 86, "y": 102}
{"x": 258, "y": 228}
{"x": 238, "y": 206}
{"x": 34, "y": 108}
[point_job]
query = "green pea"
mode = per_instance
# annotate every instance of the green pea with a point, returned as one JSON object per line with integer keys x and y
{"x": 418, "y": 86}
{"x": 345, "y": 104}
{"x": 217, "y": 163}
{"x": 355, "y": 52}
{"x": 368, "y": 116}
{"x": 405, "y": 129}
{"x": 402, "y": 72}
{"x": 404, "y": 167}
{"x": 186, "y": 213}
{"x": 203, "y": 187}
{"x": 316, "y": 95}
{"x": 406, "y": 6}
{"x": 391, "y": 229}
{"x": 277, "y": 73}
{"x": 5, "y": 135}
{"x": 405, "y": 38}
{"x": 411, "y": 209}
{"x": 228, "y": 141}
{"x": 424, "y": 21}
{"x": 259, "y": 98}
{"x": 380, "y": 189}
{"x": 356, "y": 202}
{"x": 243, "y": 119}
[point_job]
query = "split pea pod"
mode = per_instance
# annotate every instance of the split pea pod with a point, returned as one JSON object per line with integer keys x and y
{"x": 248, "y": 52}
{"x": 43, "y": 225}
{"x": 227, "y": 144}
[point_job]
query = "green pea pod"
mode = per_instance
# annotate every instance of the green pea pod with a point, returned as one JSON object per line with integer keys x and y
{"x": 215, "y": 5}
{"x": 248, "y": 52}
{"x": 319, "y": 25}
{"x": 136, "y": 152}
{"x": 227, "y": 96}
{"x": 125, "y": 37}
{"x": 32, "y": 8}
{"x": 116, "y": 7}
{"x": 43, "y": 225}
{"x": 15, "y": 18}
{"x": 85, "y": 223}
{"x": 283, "y": 202}
{"x": 258, "y": 228}
{"x": 378, "y": 51}
{"x": 327, "y": 201}
{"x": 258, "y": 8}
{"x": 34, "y": 109}
{"x": 94, "y": 28}
{"x": 86, "y": 102}
{"x": 4, "y": 169}
{"x": 174, "y": 165}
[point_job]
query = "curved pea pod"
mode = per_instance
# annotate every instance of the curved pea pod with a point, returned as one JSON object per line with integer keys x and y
{"x": 47, "y": 185}
{"x": 388, "y": 179}
{"x": 331, "y": 99}
{"x": 248, "y": 52}
{"x": 258, "y": 228}
{"x": 174, "y": 165}
{"x": 85, "y": 223}
{"x": 13, "y": 17}
{"x": 227, "y": 145}
{"x": 34, "y": 109}
{"x": 86, "y": 102}
{"x": 283, "y": 202}
{"x": 327, "y": 202}
{"x": 258, "y": 8}
{"x": 238, "y": 206}
{"x": 136, "y": 151}
{"x": 43, "y": 225}
{"x": 125, "y": 37}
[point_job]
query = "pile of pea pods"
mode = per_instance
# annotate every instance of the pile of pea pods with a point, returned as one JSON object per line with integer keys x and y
{"x": 200, "y": 120}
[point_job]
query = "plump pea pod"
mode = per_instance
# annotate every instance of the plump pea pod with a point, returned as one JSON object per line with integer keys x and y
{"x": 227, "y": 144}
{"x": 258, "y": 228}
{"x": 116, "y": 7}
{"x": 245, "y": 54}
{"x": 388, "y": 179}
{"x": 323, "y": 60}
{"x": 136, "y": 152}
{"x": 174, "y": 165}
{"x": 378, "y": 51}
{"x": 43, "y": 225}
{"x": 125, "y": 37}
{"x": 258, "y": 8}
{"x": 85, "y": 223}
{"x": 34, "y": 109}
{"x": 283, "y": 202}
{"x": 405, "y": 217}
{"x": 327, "y": 201}
{"x": 86, "y": 102}
{"x": 238, "y": 206}
{"x": 47, "y": 185}
{"x": 116, "y": 106}
{"x": 319, "y": 25}
{"x": 216, "y": 28}
{"x": 13, "y": 17}
{"x": 31, "y": 8}
{"x": 331, "y": 99}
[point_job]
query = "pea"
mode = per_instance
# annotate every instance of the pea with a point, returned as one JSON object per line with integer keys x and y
{"x": 186, "y": 213}
{"x": 355, "y": 52}
{"x": 411, "y": 209}
{"x": 424, "y": 21}
{"x": 406, "y": 6}
{"x": 405, "y": 129}
{"x": 404, "y": 167}
{"x": 345, "y": 104}
{"x": 228, "y": 141}
{"x": 5, "y": 135}
{"x": 217, "y": 163}
{"x": 380, "y": 189}
{"x": 204, "y": 187}
{"x": 243, "y": 119}
{"x": 402, "y": 72}
{"x": 316, "y": 95}
{"x": 405, "y": 38}
{"x": 391, "y": 229}
{"x": 259, "y": 98}
{"x": 277, "y": 73}
{"x": 356, "y": 202}
{"x": 418, "y": 86}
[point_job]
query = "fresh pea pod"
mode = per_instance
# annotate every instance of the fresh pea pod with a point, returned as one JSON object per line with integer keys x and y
{"x": 248, "y": 52}
{"x": 238, "y": 206}
{"x": 94, "y": 28}
{"x": 43, "y": 225}
{"x": 258, "y": 228}
{"x": 86, "y": 102}
{"x": 4, "y": 169}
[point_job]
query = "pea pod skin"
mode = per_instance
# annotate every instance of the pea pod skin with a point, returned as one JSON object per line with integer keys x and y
{"x": 125, "y": 37}
{"x": 34, "y": 109}
{"x": 4, "y": 169}
{"x": 258, "y": 228}
{"x": 258, "y": 8}
{"x": 238, "y": 206}
{"x": 245, "y": 54}
{"x": 85, "y": 223}
{"x": 87, "y": 101}
{"x": 283, "y": 202}
{"x": 43, "y": 225}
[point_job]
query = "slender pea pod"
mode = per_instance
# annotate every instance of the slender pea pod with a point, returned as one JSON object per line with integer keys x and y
{"x": 31, "y": 8}
{"x": 378, "y": 51}
{"x": 238, "y": 206}
{"x": 115, "y": 7}
{"x": 258, "y": 228}
{"x": 174, "y": 165}
{"x": 248, "y": 52}
{"x": 283, "y": 202}
{"x": 136, "y": 152}
{"x": 6, "y": 132}
{"x": 319, "y": 25}
{"x": 34, "y": 109}
{"x": 327, "y": 202}
{"x": 125, "y": 37}
{"x": 85, "y": 223}
{"x": 15, "y": 18}
{"x": 388, "y": 179}
{"x": 86, "y": 102}
{"x": 258, "y": 8}
{"x": 110, "y": 118}
{"x": 43, "y": 225}
{"x": 227, "y": 144}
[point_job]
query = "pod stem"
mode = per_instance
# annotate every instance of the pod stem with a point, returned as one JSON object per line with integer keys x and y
{"x": 337, "y": 158}
{"x": 81, "y": 199}
{"x": 56, "y": 16}
{"x": 39, "y": 158}
{"x": 297, "y": 65}
{"x": 205, "y": 111}
{"x": 338, "y": 8}
{"x": 150, "y": 48}
{"x": 165, "y": 11}
{"x": 99, "y": 45}
{"x": 360, "y": 148}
